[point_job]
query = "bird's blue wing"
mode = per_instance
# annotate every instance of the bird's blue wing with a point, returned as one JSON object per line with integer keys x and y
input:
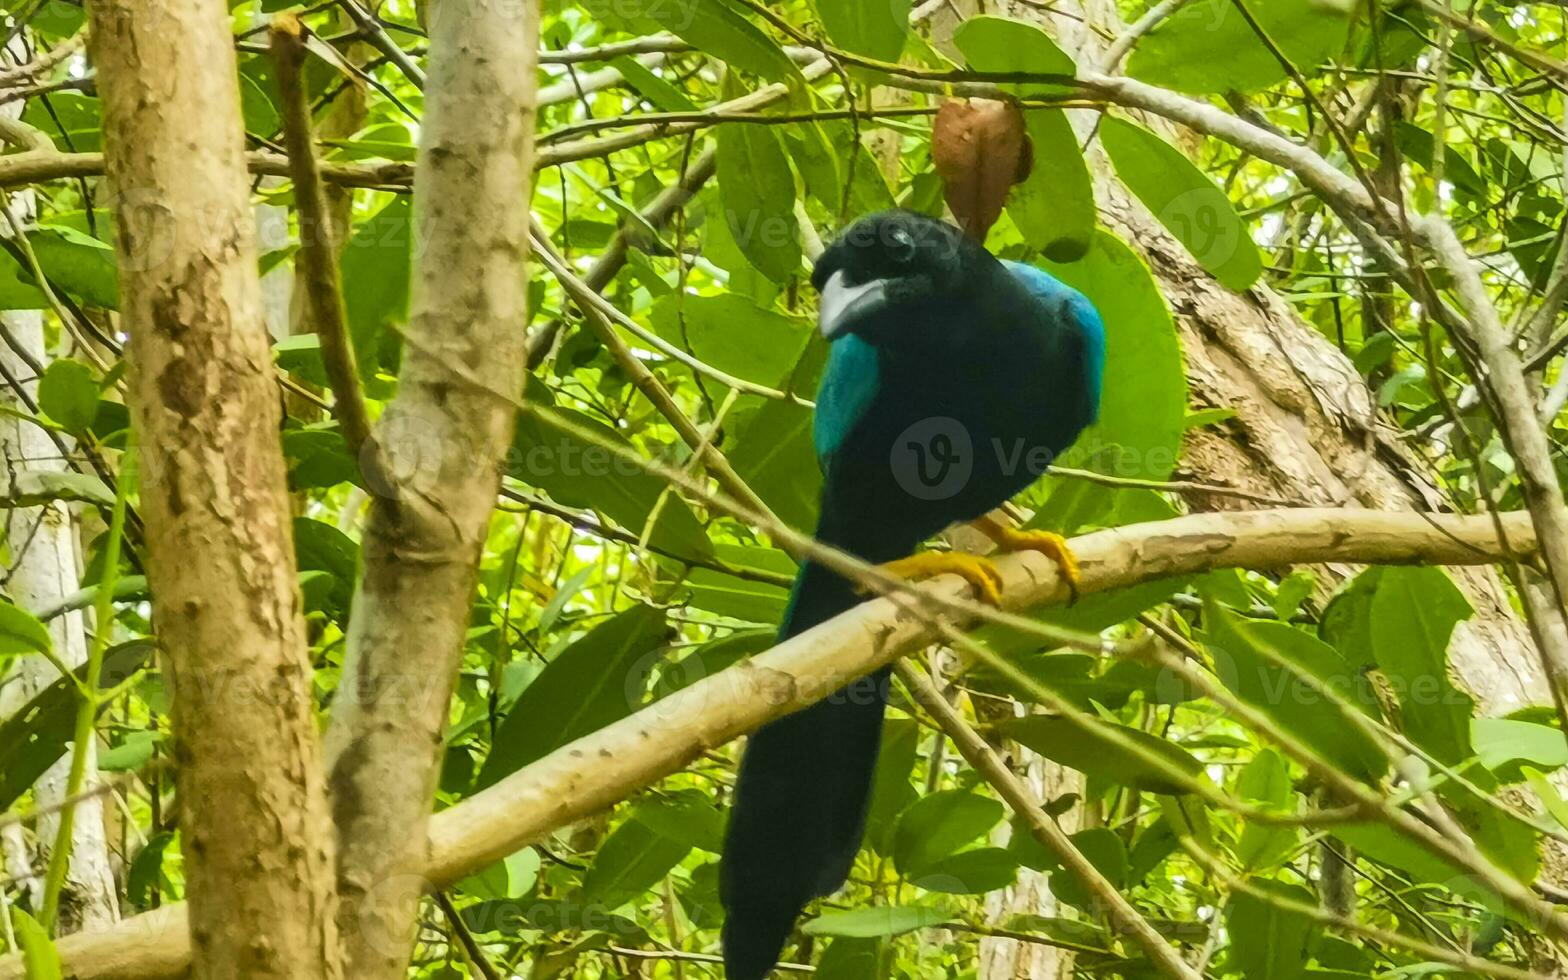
{"x": 1082, "y": 316}
{"x": 849, "y": 384}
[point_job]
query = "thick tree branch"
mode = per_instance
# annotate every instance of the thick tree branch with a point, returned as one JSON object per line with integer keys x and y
{"x": 434, "y": 465}
{"x": 220, "y": 555}
{"x": 597, "y": 771}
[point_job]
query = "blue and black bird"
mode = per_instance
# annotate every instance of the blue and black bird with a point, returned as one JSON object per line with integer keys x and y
{"x": 952, "y": 381}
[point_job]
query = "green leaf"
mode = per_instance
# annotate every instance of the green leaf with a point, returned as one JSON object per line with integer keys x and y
{"x": 584, "y": 474}
{"x": 876, "y": 921}
{"x": 1413, "y": 614}
{"x": 1106, "y": 852}
{"x": 78, "y": 264}
{"x": 733, "y": 334}
{"x": 717, "y": 28}
{"x": 1249, "y": 657}
{"x": 145, "y": 877}
{"x": 131, "y": 754}
{"x": 1087, "y": 750}
{"x": 664, "y": 96}
{"x": 741, "y": 598}
{"x": 1268, "y": 942}
{"x": 1054, "y": 206}
{"x": 375, "y": 265}
{"x": 631, "y": 860}
{"x": 1501, "y": 741}
{"x": 22, "y": 632}
{"x": 875, "y": 28}
{"x": 973, "y": 872}
{"x": 776, "y": 457}
{"x": 757, "y": 188}
{"x": 39, "y": 957}
{"x": 1209, "y": 48}
{"x": 891, "y": 791}
{"x": 1266, "y": 781}
{"x": 850, "y": 958}
{"x": 1143, "y": 407}
{"x": 1417, "y": 144}
{"x": 1551, "y": 800}
{"x": 997, "y": 44}
{"x": 1185, "y": 201}
{"x": 321, "y": 547}
{"x": 68, "y": 393}
{"x": 685, "y": 816}
{"x": 597, "y": 680}
{"x": 940, "y": 823}
{"x": 39, "y": 734}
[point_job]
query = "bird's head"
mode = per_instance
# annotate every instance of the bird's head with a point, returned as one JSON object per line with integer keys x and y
{"x": 889, "y": 272}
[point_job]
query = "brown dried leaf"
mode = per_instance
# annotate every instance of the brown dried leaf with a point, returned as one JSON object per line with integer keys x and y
{"x": 980, "y": 149}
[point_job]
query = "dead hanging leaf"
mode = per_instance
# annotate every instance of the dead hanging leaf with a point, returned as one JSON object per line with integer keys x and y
{"x": 981, "y": 149}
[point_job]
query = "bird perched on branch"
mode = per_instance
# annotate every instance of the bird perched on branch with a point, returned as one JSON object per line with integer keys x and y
{"x": 953, "y": 380}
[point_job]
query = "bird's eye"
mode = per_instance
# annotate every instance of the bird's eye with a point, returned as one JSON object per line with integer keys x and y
{"x": 901, "y": 245}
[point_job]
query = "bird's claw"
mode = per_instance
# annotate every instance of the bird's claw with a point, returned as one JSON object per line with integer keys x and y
{"x": 979, "y": 572}
{"x": 1047, "y": 543}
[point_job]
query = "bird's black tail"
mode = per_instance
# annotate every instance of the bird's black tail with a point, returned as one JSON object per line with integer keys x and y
{"x": 800, "y": 801}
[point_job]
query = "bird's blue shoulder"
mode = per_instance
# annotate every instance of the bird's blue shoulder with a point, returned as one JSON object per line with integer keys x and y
{"x": 1082, "y": 316}
{"x": 849, "y": 383}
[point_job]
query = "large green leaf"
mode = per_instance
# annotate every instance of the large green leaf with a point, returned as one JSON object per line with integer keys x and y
{"x": 68, "y": 393}
{"x": 1268, "y": 942}
{"x": 597, "y": 680}
{"x": 713, "y": 26}
{"x": 375, "y": 265}
{"x": 40, "y": 958}
{"x": 757, "y": 188}
{"x": 686, "y": 816}
{"x": 38, "y": 734}
{"x": 997, "y": 44}
{"x": 876, "y": 28}
{"x": 78, "y": 264}
{"x": 775, "y": 456}
{"x": 891, "y": 791}
{"x": 971, "y": 872}
{"x": 1185, "y": 201}
{"x": 1209, "y": 48}
{"x": 585, "y": 474}
{"x": 879, "y": 920}
{"x": 1250, "y": 658}
{"x": 1054, "y": 207}
{"x": 1143, "y": 402}
{"x": 938, "y": 825}
{"x": 1500, "y": 741}
{"x": 1063, "y": 740}
{"x": 737, "y": 597}
{"x": 1413, "y": 614}
{"x": 631, "y": 860}
{"x": 1265, "y": 781}
{"x": 733, "y": 334}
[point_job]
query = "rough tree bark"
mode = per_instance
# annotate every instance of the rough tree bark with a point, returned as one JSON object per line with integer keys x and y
{"x": 220, "y": 557}
{"x": 435, "y": 468}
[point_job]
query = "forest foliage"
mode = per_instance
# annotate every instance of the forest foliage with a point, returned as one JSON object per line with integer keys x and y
{"x": 603, "y": 587}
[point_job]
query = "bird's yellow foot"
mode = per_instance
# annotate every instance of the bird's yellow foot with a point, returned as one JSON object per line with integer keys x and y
{"x": 979, "y": 572}
{"x": 1048, "y": 543}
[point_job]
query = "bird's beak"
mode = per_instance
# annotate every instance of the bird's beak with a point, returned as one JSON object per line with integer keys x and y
{"x": 843, "y": 305}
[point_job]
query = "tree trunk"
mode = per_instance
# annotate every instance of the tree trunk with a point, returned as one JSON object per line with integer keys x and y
{"x": 42, "y": 570}
{"x": 435, "y": 466}
{"x": 220, "y": 557}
